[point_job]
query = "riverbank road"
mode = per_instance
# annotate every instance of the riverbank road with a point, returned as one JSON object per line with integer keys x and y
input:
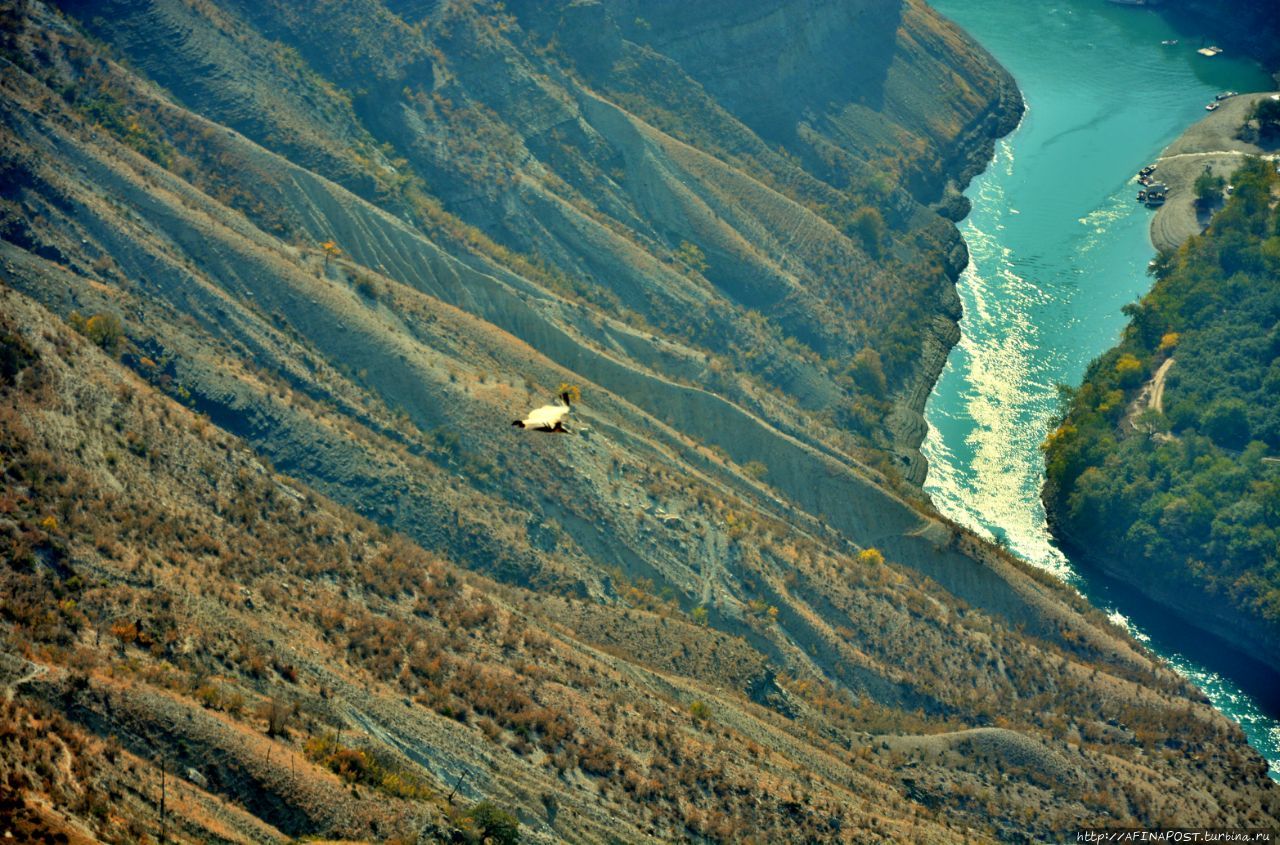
{"x": 1210, "y": 142}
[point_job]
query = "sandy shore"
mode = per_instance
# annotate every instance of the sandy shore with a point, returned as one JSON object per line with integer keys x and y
{"x": 1211, "y": 143}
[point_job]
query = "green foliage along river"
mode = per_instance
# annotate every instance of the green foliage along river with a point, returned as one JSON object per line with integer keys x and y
{"x": 1058, "y": 246}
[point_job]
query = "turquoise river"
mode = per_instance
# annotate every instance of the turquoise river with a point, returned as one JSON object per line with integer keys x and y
{"x": 1058, "y": 245}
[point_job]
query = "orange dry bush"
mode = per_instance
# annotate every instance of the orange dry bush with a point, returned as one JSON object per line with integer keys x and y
{"x": 126, "y": 633}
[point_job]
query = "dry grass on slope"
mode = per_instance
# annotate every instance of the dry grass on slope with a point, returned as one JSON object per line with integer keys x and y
{"x": 218, "y": 586}
{"x": 192, "y": 602}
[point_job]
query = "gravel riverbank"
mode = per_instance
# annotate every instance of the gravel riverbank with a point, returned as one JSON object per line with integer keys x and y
{"x": 1209, "y": 142}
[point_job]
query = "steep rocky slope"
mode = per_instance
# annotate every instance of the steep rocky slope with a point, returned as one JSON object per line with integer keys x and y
{"x": 181, "y": 619}
{"x": 188, "y": 240}
{"x": 614, "y": 156}
{"x": 365, "y": 236}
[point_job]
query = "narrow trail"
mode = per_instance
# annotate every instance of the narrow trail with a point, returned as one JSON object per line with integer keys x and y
{"x": 34, "y": 671}
{"x": 1156, "y": 399}
{"x": 713, "y": 556}
{"x": 1149, "y": 398}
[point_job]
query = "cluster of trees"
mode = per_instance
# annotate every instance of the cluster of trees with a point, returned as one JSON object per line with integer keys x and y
{"x": 1265, "y": 116}
{"x": 1189, "y": 495}
{"x": 1208, "y": 190}
{"x": 1262, "y": 124}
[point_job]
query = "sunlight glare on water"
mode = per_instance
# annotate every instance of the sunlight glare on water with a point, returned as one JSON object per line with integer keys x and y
{"x": 1057, "y": 245}
{"x": 1003, "y": 390}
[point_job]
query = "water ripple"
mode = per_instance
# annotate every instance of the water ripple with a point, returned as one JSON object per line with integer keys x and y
{"x": 1057, "y": 245}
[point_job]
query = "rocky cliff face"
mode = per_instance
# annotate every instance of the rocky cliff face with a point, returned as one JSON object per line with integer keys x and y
{"x": 365, "y": 236}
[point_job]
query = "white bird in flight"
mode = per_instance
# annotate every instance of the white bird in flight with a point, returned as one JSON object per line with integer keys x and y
{"x": 548, "y": 418}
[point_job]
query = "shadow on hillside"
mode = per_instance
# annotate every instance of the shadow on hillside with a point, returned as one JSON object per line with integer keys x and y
{"x": 772, "y": 68}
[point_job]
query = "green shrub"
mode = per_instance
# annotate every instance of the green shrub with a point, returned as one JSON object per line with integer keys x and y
{"x": 488, "y": 823}
{"x": 104, "y": 328}
{"x": 868, "y": 371}
{"x": 868, "y": 227}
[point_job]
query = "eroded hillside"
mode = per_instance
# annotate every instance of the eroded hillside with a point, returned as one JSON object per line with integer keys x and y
{"x": 177, "y": 612}
{"x": 383, "y": 374}
{"x": 358, "y": 239}
{"x": 636, "y": 171}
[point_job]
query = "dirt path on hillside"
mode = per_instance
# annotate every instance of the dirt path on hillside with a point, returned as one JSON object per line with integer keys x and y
{"x": 31, "y": 673}
{"x": 1156, "y": 400}
{"x": 1150, "y": 397}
